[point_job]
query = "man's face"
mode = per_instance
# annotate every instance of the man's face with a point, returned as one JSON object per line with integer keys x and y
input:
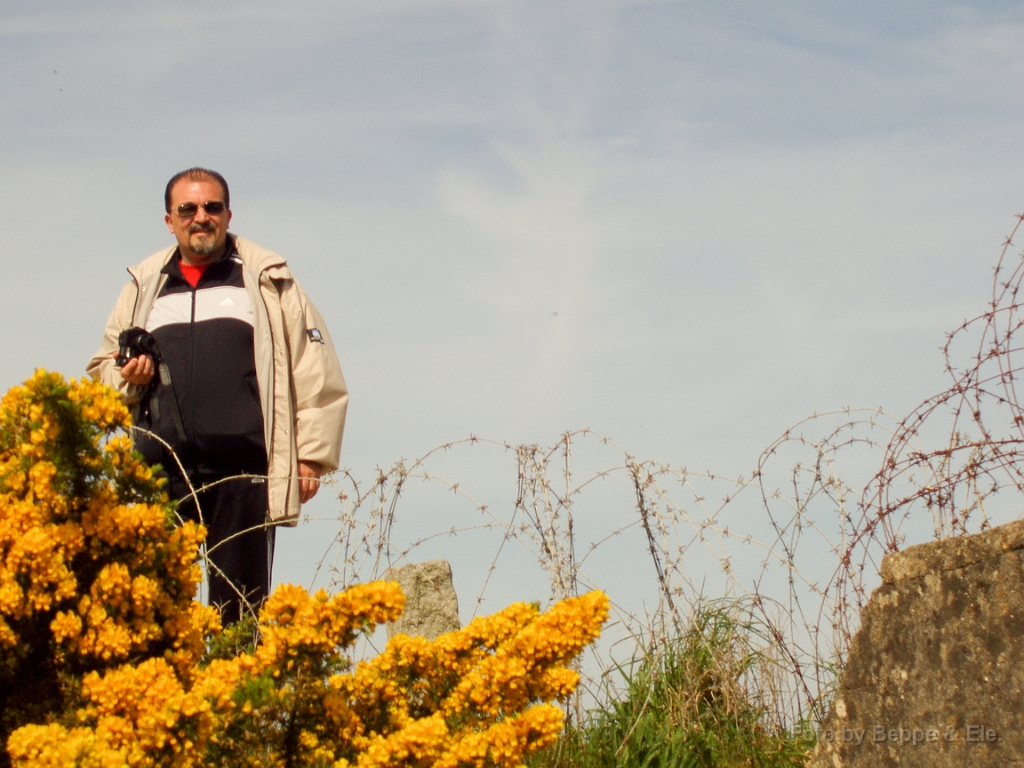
{"x": 201, "y": 236}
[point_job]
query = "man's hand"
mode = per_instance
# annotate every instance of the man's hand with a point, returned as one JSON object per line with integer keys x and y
{"x": 309, "y": 482}
{"x": 139, "y": 370}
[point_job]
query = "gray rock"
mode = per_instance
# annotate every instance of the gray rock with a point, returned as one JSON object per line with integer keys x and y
{"x": 935, "y": 676}
{"x": 431, "y": 605}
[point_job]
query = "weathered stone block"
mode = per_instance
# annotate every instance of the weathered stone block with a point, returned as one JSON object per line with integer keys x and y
{"x": 431, "y": 605}
{"x": 935, "y": 676}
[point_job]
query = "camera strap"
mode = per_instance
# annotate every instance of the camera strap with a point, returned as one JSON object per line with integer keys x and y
{"x": 165, "y": 380}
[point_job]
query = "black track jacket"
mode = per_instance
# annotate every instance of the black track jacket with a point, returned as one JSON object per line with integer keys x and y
{"x": 205, "y": 337}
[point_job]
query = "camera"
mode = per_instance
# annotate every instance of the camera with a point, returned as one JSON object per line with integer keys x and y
{"x": 133, "y": 342}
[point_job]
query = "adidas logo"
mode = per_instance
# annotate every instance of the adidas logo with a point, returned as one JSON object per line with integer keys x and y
{"x": 227, "y": 302}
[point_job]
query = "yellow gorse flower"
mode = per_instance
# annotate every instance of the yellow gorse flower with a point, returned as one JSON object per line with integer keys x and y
{"x": 93, "y": 572}
{"x": 98, "y": 625}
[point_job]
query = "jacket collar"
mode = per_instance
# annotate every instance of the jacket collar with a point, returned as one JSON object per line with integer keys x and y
{"x": 253, "y": 256}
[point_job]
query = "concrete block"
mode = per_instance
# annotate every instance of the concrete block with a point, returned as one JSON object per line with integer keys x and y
{"x": 935, "y": 675}
{"x": 431, "y": 605}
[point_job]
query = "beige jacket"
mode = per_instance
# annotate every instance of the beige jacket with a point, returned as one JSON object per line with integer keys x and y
{"x": 302, "y": 389}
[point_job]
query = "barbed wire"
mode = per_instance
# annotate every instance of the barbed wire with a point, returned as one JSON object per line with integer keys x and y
{"x": 795, "y": 546}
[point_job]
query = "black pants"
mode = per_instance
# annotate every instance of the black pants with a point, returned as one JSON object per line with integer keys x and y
{"x": 239, "y": 540}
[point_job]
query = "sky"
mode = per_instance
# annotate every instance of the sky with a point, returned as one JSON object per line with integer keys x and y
{"x": 685, "y": 225}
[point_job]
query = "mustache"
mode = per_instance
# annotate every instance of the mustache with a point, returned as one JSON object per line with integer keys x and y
{"x": 200, "y": 228}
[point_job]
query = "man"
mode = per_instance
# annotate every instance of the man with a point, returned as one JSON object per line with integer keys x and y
{"x": 243, "y": 396}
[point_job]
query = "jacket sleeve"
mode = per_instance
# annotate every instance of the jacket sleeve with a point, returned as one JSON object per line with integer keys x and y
{"x": 101, "y": 367}
{"x": 318, "y": 386}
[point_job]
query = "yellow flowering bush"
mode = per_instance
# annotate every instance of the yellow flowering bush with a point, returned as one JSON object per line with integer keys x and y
{"x": 93, "y": 571}
{"x": 106, "y": 659}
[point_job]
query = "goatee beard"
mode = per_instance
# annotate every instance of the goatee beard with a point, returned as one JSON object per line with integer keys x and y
{"x": 204, "y": 246}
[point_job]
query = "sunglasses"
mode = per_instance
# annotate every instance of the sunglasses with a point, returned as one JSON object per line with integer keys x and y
{"x": 188, "y": 210}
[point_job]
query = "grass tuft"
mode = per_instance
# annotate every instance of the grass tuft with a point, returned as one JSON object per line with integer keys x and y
{"x": 688, "y": 700}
